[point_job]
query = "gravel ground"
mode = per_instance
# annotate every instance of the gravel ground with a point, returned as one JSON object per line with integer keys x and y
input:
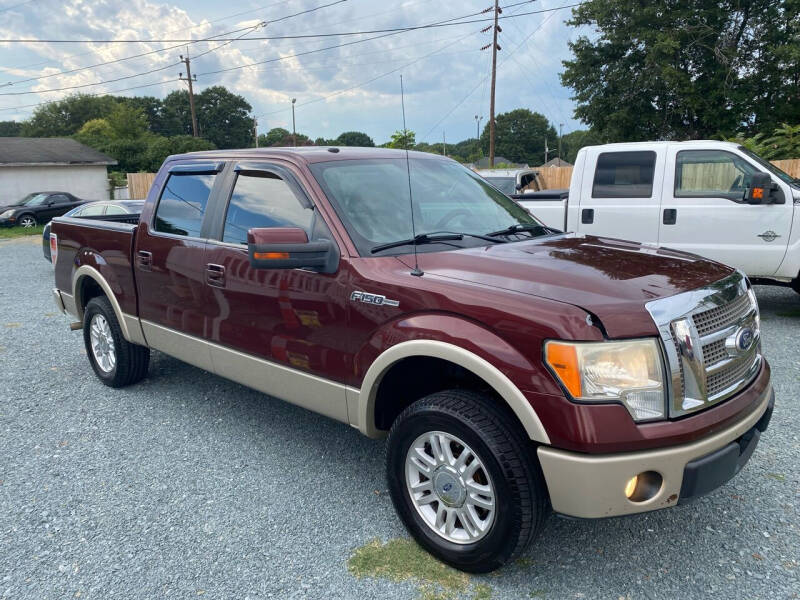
{"x": 188, "y": 485}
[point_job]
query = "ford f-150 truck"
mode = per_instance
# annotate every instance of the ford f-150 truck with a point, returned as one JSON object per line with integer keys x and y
{"x": 714, "y": 199}
{"x": 515, "y": 369}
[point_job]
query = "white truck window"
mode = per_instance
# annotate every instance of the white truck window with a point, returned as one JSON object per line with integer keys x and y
{"x": 703, "y": 173}
{"x": 624, "y": 175}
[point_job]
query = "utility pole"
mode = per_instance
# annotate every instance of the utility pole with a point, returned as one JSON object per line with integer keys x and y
{"x": 189, "y": 80}
{"x": 560, "y": 128}
{"x": 444, "y": 144}
{"x": 294, "y": 131}
{"x": 495, "y": 48}
{"x": 546, "y": 150}
{"x": 478, "y": 128}
{"x": 255, "y": 129}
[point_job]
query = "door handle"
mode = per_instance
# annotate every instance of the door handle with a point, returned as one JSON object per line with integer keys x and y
{"x": 587, "y": 216}
{"x": 670, "y": 216}
{"x": 144, "y": 260}
{"x": 215, "y": 275}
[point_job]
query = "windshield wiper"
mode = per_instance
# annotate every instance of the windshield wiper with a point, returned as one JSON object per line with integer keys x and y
{"x": 521, "y": 228}
{"x": 432, "y": 238}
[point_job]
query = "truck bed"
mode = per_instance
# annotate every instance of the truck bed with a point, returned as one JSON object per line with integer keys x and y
{"x": 104, "y": 245}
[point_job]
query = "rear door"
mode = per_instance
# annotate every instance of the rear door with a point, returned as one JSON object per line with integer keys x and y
{"x": 55, "y": 206}
{"x": 170, "y": 263}
{"x": 707, "y": 186}
{"x": 622, "y": 200}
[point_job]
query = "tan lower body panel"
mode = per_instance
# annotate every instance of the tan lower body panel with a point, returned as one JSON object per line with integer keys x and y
{"x": 300, "y": 388}
{"x": 593, "y": 486}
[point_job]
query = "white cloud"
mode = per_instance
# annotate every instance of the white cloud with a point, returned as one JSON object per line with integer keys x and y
{"x": 434, "y": 84}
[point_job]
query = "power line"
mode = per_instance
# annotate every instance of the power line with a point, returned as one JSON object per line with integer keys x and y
{"x": 225, "y": 41}
{"x": 448, "y": 23}
{"x": 4, "y": 9}
{"x": 472, "y": 91}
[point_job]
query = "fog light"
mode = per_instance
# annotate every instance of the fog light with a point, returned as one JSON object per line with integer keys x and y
{"x": 644, "y": 486}
{"x": 630, "y": 487}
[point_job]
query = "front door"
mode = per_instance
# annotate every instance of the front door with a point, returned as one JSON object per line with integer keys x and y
{"x": 170, "y": 265}
{"x": 703, "y": 211}
{"x": 291, "y": 318}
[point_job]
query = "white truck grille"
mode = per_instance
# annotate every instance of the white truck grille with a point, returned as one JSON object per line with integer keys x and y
{"x": 711, "y": 341}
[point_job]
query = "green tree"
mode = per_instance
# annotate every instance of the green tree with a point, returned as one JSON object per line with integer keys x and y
{"x": 676, "y": 70}
{"x": 10, "y": 129}
{"x": 65, "y": 117}
{"x": 354, "y": 138}
{"x": 520, "y": 136}
{"x": 224, "y": 118}
{"x": 96, "y": 133}
{"x": 403, "y": 138}
{"x": 127, "y": 122}
{"x": 575, "y": 140}
{"x": 159, "y": 148}
{"x": 274, "y": 137}
{"x": 176, "y": 116}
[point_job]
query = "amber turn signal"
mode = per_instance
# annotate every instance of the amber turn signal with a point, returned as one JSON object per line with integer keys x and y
{"x": 563, "y": 359}
{"x": 270, "y": 255}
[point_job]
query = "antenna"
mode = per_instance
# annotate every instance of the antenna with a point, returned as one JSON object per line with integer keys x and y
{"x": 416, "y": 272}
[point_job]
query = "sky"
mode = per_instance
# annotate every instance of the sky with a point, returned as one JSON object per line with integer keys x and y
{"x": 352, "y": 87}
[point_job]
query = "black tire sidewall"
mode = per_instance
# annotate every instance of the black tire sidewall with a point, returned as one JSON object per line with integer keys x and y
{"x": 102, "y": 307}
{"x": 493, "y": 549}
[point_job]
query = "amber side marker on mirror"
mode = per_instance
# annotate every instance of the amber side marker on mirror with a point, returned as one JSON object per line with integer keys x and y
{"x": 758, "y": 193}
{"x": 270, "y": 255}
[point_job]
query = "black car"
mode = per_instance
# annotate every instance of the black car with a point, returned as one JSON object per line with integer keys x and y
{"x": 126, "y": 211}
{"x": 37, "y": 208}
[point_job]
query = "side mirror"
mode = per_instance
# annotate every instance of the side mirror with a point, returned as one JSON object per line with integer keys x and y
{"x": 763, "y": 191}
{"x": 49, "y": 202}
{"x": 289, "y": 248}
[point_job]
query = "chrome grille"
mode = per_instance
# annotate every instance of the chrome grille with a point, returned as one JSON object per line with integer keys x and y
{"x": 711, "y": 341}
{"x": 714, "y": 353}
{"x": 720, "y": 317}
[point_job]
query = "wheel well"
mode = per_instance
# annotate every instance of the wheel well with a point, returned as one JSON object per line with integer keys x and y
{"x": 415, "y": 377}
{"x": 88, "y": 288}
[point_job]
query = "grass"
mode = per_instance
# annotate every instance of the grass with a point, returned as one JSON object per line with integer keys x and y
{"x": 15, "y": 232}
{"x": 403, "y": 560}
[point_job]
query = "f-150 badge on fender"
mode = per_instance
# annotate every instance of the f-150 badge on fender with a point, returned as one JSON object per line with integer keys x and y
{"x": 375, "y": 299}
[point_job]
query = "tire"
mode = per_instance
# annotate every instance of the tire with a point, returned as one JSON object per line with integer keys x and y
{"x": 466, "y": 421}
{"x": 27, "y": 221}
{"x": 115, "y": 361}
{"x": 796, "y": 284}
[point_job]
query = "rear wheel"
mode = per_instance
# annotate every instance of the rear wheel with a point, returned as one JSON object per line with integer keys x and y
{"x": 115, "y": 361}
{"x": 27, "y": 221}
{"x": 464, "y": 479}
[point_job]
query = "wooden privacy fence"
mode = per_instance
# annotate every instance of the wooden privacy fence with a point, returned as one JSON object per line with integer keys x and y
{"x": 139, "y": 184}
{"x": 553, "y": 178}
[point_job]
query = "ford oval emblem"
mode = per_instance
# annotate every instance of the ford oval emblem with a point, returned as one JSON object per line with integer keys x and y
{"x": 744, "y": 338}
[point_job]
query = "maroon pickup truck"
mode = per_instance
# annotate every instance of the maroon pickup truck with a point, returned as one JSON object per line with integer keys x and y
{"x": 516, "y": 369}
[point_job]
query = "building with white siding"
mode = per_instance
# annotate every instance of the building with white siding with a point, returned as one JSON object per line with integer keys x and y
{"x": 30, "y": 165}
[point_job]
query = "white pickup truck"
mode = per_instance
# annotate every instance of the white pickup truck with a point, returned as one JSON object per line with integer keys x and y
{"x": 715, "y": 199}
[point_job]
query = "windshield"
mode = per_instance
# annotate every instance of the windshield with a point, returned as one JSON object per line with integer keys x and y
{"x": 507, "y": 185}
{"x": 770, "y": 167}
{"x": 371, "y": 198}
{"x": 30, "y": 200}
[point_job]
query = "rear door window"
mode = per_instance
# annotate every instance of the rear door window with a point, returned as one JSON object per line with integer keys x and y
{"x": 93, "y": 210}
{"x": 263, "y": 199}
{"x": 183, "y": 203}
{"x": 624, "y": 175}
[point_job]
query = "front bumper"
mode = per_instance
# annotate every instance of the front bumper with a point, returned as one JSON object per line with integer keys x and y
{"x": 592, "y": 486}
{"x": 8, "y": 222}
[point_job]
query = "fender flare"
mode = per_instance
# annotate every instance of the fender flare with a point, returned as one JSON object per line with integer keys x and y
{"x": 455, "y": 354}
{"x": 131, "y": 329}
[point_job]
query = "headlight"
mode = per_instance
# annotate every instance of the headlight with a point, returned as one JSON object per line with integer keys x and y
{"x": 629, "y": 372}
{"x": 7, "y": 214}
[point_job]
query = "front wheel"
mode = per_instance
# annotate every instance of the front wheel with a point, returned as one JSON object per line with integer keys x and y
{"x": 115, "y": 361}
{"x": 27, "y": 221}
{"x": 464, "y": 479}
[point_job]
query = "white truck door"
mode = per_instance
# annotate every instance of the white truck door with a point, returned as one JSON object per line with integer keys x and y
{"x": 619, "y": 195}
{"x": 703, "y": 211}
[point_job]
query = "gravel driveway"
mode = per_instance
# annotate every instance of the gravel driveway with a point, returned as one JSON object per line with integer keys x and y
{"x": 188, "y": 485}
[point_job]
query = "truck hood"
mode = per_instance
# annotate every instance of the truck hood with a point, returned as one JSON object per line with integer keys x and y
{"x": 612, "y": 279}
